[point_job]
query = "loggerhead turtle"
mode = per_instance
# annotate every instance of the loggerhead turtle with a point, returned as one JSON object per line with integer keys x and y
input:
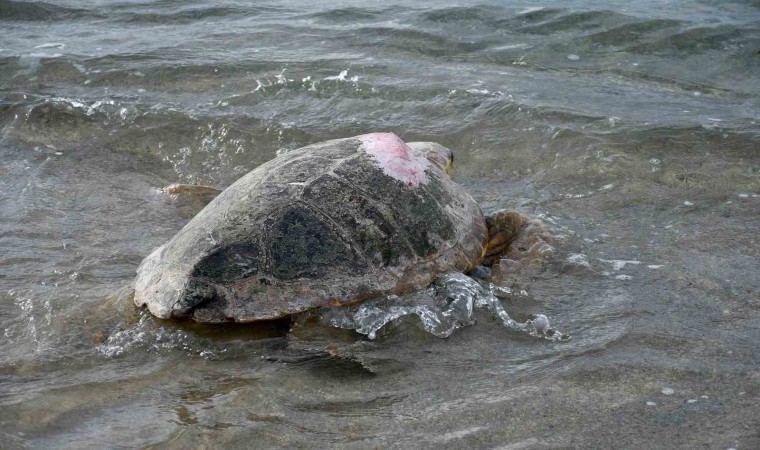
{"x": 329, "y": 224}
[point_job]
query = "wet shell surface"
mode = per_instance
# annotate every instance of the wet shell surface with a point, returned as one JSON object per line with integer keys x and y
{"x": 328, "y": 224}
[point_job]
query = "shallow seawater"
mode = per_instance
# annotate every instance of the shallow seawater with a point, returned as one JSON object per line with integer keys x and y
{"x": 629, "y": 130}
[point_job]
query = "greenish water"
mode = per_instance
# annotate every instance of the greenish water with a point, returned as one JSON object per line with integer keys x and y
{"x": 630, "y": 130}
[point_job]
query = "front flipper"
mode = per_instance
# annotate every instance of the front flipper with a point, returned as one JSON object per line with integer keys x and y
{"x": 192, "y": 192}
{"x": 503, "y": 228}
{"x": 190, "y": 189}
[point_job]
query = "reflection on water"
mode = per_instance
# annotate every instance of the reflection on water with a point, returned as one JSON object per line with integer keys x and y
{"x": 630, "y": 132}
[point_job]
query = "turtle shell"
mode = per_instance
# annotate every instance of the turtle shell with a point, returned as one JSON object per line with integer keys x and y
{"x": 329, "y": 224}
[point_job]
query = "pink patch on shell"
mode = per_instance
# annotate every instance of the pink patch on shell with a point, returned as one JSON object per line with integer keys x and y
{"x": 395, "y": 158}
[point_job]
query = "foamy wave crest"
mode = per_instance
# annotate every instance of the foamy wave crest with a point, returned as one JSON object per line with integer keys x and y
{"x": 143, "y": 335}
{"x": 447, "y": 306}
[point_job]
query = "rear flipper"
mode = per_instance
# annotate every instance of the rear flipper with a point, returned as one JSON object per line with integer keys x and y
{"x": 503, "y": 228}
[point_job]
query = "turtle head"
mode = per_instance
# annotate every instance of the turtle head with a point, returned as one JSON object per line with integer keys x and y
{"x": 437, "y": 154}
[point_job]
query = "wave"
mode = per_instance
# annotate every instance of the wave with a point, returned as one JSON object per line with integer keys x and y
{"x": 39, "y": 11}
{"x": 196, "y": 14}
{"x": 697, "y": 40}
{"x": 348, "y": 15}
{"x": 576, "y": 21}
{"x": 409, "y": 40}
{"x": 128, "y": 13}
{"x": 625, "y": 34}
{"x": 458, "y": 14}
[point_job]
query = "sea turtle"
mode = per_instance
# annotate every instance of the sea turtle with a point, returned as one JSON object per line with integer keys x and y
{"x": 329, "y": 224}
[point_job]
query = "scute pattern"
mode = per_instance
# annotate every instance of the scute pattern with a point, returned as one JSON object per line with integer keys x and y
{"x": 368, "y": 222}
{"x": 416, "y": 212}
{"x": 230, "y": 264}
{"x": 302, "y": 245}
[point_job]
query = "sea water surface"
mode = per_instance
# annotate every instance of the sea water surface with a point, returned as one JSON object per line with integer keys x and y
{"x": 628, "y": 129}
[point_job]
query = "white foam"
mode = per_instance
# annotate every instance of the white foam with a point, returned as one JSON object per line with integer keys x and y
{"x": 619, "y": 264}
{"x": 59, "y": 45}
{"x": 530, "y": 10}
{"x": 342, "y": 76}
{"x": 458, "y": 434}
{"x": 578, "y": 259}
{"x": 71, "y": 102}
{"x": 454, "y": 303}
{"x": 541, "y": 323}
{"x": 46, "y": 55}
